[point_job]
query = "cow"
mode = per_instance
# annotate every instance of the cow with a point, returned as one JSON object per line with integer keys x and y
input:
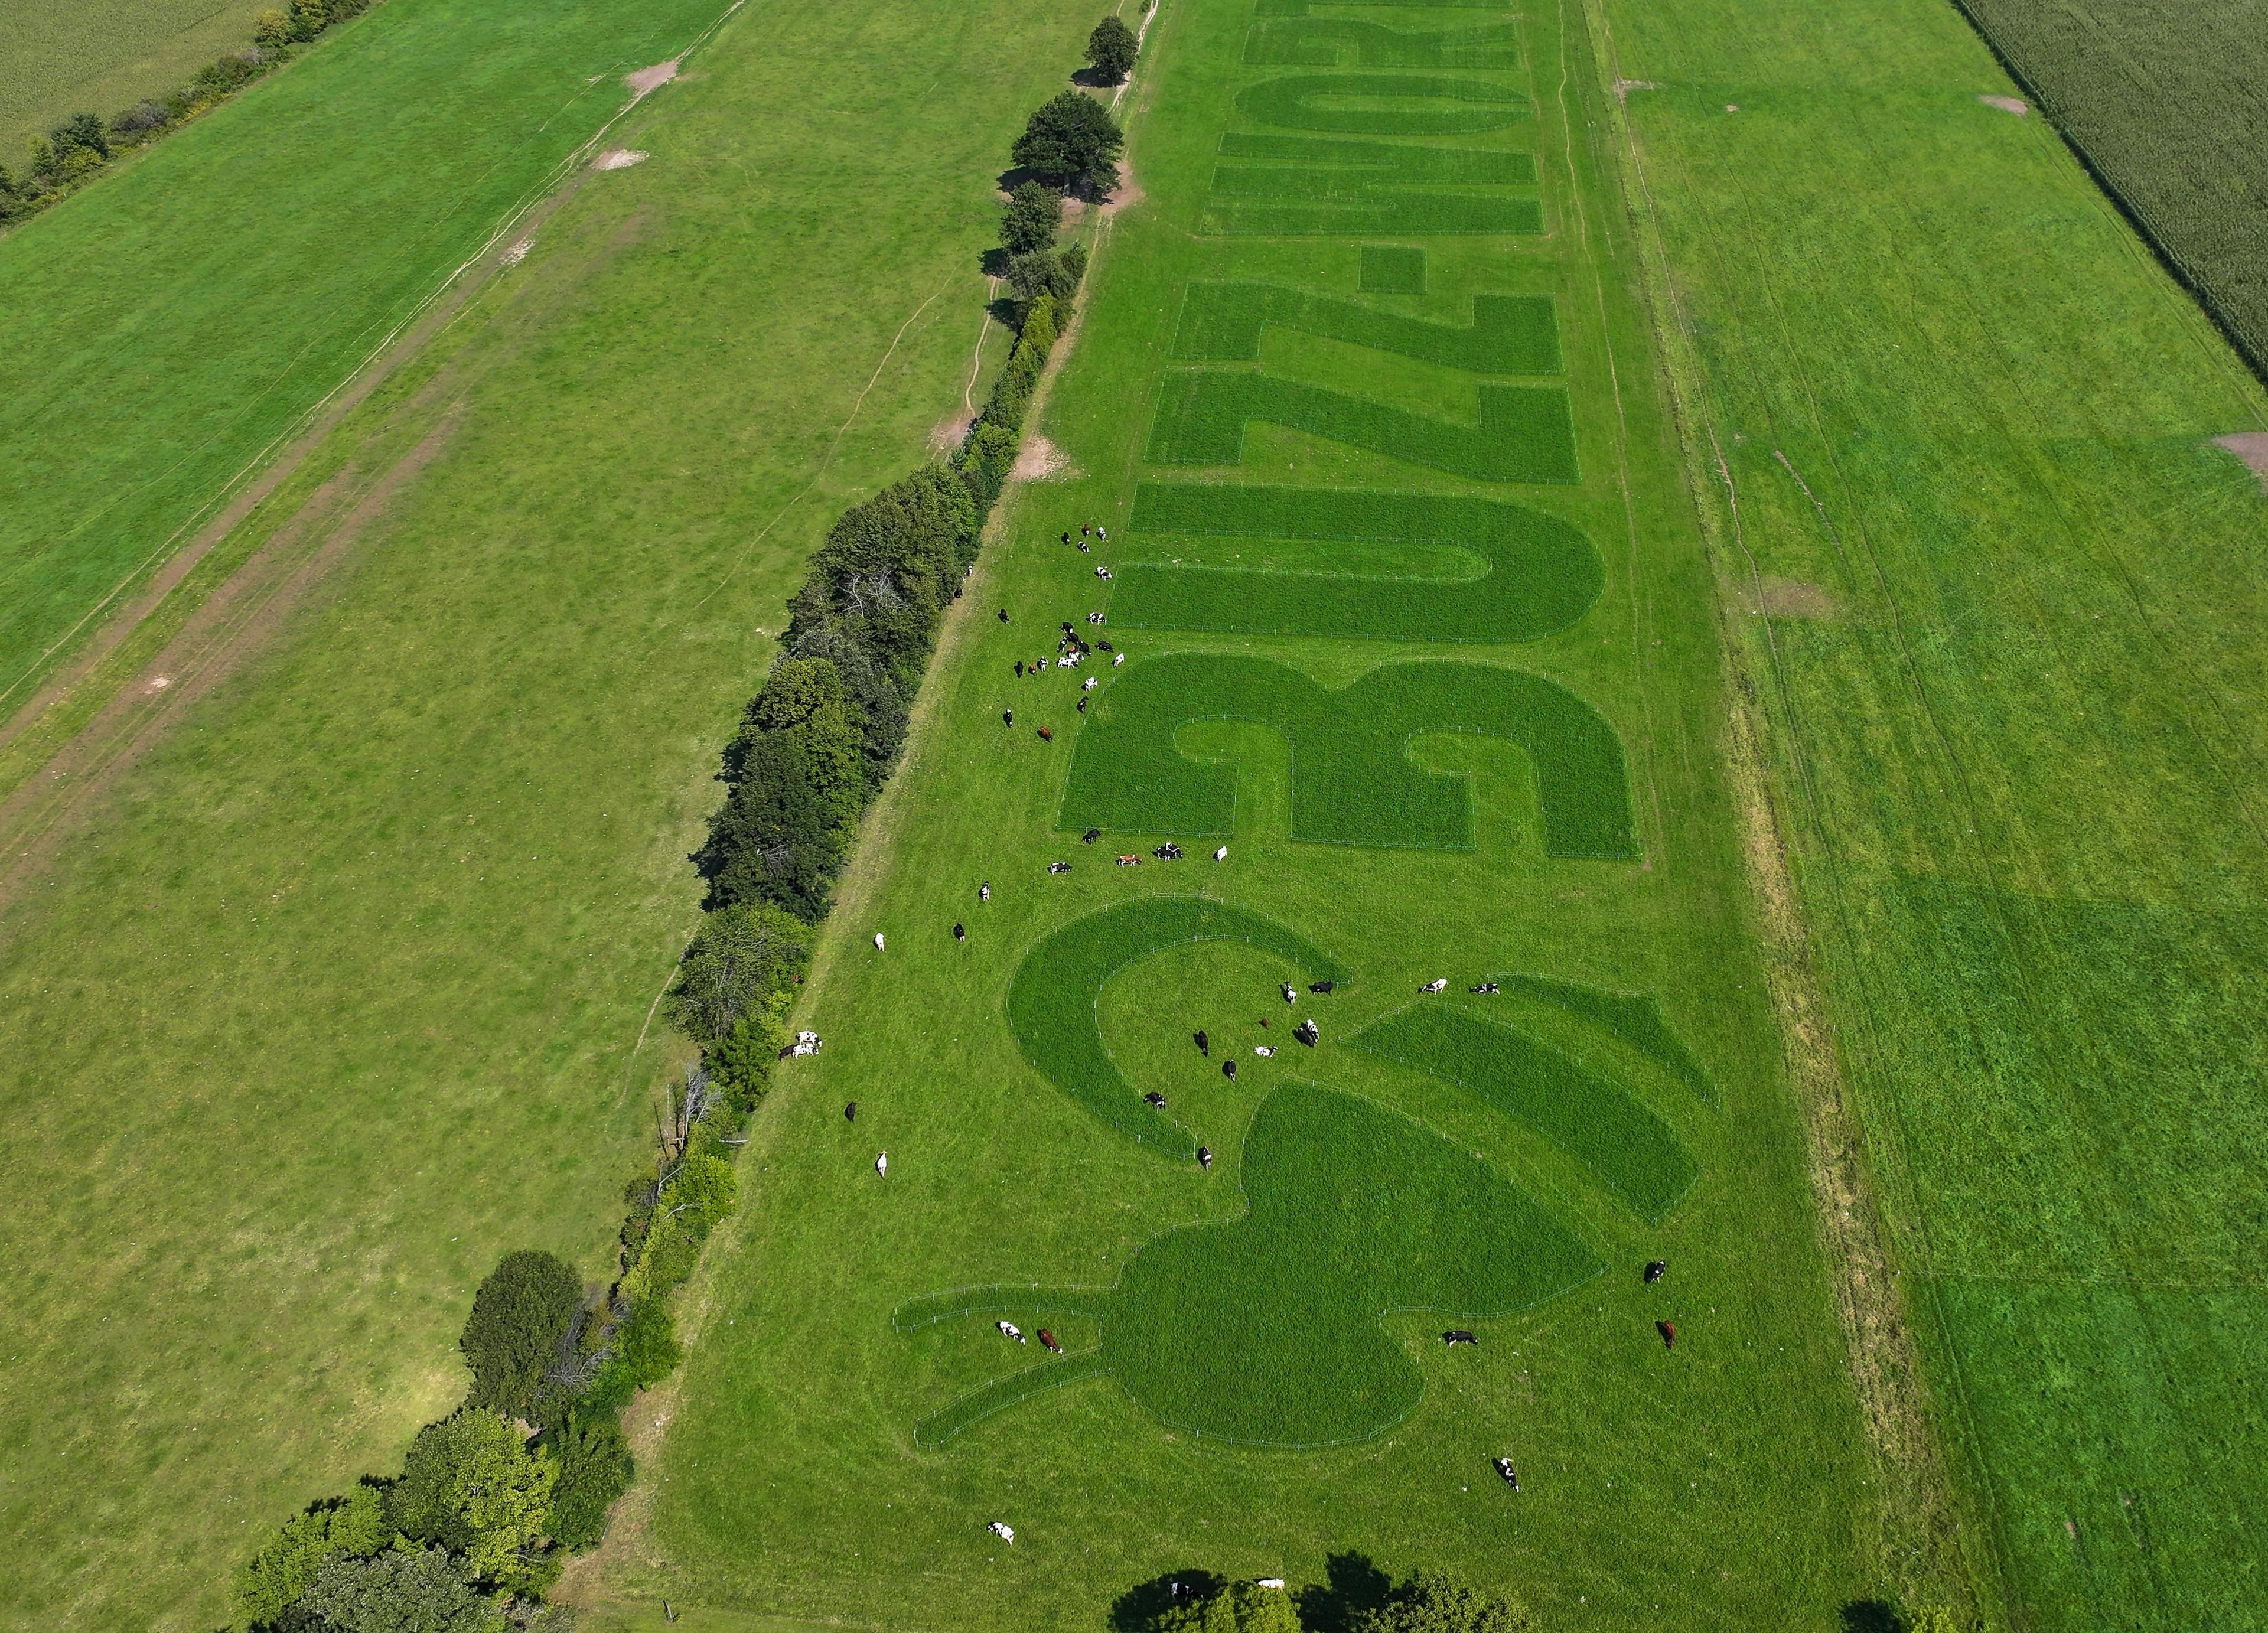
{"x": 1205, "y": 1153}
{"x": 1228, "y": 1069}
{"x": 850, "y": 1112}
{"x": 1003, "y": 614}
{"x": 1058, "y": 867}
{"x": 883, "y": 1164}
{"x": 1221, "y": 854}
{"x": 1486, "y": 989}
{"x": 1090, "y": 836}
{"x": 1002, "y": 1531}
{"x": 878, "y": 941}
{"x": 1046, "y": 736}
{"x": 960, "y": 933}
{"x": 1321, "y": 986}
{"x": 1457, "y": 1335}
{"x": 984, "y": 891}
{"x": 1154, "y": 1100}
{"x": 1653, "y": 1269}
{"x": 1307, "y": 1031}
{"x": 1047, "y": 1341}
{"x": 1668, "y": 1331}
{"x": 1019, "y": 669}
{"x": 1008, "y": 1330}
{"x": 1442, "y": 985}
{"x": 1291, "y": 993}
{"x": 1082, "y": 705}
{"x": 1510, "y": 1475}
{"x": 1007, "y": 717}
{"x": 1264, "y": 1051}
{"x": 1205, "y": 1044}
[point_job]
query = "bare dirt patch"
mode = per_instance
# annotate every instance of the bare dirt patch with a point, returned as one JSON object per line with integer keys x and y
{"x": 2007, "y": 104}
{"x": 1125, "y": 196}
{"x": 1792, "y": 598}
{"x": 2252, "y": 448}
{"x": 1623, "y": 87}
{"x": 1041, "y": 460}
{"x": 651, "y": 78}
{"x": 619, "y": 159}
{"x": 947, "y": 435}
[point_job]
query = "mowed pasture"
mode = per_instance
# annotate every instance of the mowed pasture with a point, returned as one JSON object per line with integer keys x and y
{"x": 57, "y": 60}
{"x": 328, "y": 1000}
{"x": 2001, "y": 595}
{"x": 1441, "y": 676}
{"x": 158, "y": 342}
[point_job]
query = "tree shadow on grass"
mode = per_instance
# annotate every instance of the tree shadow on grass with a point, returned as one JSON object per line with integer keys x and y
{"x": 1137, "y": 1608}
{"x": 1872, "y": 1616}
{"x": 1095, "y": 79}
{"x": 1352, "y": 1583}
{"x": 994, "y": 262}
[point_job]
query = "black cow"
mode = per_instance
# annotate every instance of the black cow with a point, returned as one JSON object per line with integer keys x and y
{"x": 1653, "y": 1269}
{"x": 1457, "y": 1335}
{"x": 958, "y": 933}
{"x": 1205, "y": 1044}
{"x": 1321, "y": 986}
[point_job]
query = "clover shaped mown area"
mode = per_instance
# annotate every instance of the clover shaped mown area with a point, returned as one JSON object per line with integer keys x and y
{"x": 1267, "y": 1330}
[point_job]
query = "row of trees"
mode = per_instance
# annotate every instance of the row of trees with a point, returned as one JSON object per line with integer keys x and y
{"x": 78, "y": 149}
{"x": 490, "y": 1499}
{"x": 1358, "y": 1598}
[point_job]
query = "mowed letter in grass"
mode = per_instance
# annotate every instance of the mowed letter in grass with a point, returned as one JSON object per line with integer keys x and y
{"x": 1439, "y": 673}
{"x": 328, "y": 1000}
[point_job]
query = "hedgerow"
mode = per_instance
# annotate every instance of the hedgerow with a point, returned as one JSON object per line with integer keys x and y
{"x": 1388, "y": 269}
{"x": 1329, "y": 43}
{"x": 1051, "y": 1002}
{"x": 1352, "y": 783}
{"x": 1509, "y": 334}
{"x": 1265, "y": 1330}
{"x": 1543, "y": 573}
{"x": 80, "y": 148}
{"x": 1634, "y": 1017}
{"x": 1318, "y": 102}
{"x": 1599, "y": 1123}
{"x": 1525, "y": 433}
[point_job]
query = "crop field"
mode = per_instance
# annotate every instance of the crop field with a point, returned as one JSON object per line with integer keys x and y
{"x": 1466, "y": 1024}
{"x": 410, "y": 137}
{"x": 56, "y": 60}
{"x": 2165, "y": 103}
{"x": 329, "y": 990}
{"x": 2002, "y": 597}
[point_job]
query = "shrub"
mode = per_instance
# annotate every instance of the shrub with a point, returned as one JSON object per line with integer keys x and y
{"x": 1239, "y": 1608}
{"x": 1039, "y": 321}
{"x": 1032, "y": 217}
{"x": 646, "y": 1345}
{"x": 1040, "y": 272}
{"x": 1074, "y": 264}
{"x": 414, "y": 1591}
{"x": 743, "y": 964}
{"x": 309, "y": 17}
{"x": 1433, "y": 1601}
{"x": 471, "y": 1483}
{"x": 274, "y": 1579}
{"x": 1070, "y": 137}
{"x": 594, "y": 1469}
{"x": 272, "y": 28}
{"x": 520, "y": 1314}
{"x": 82, "y": 132}
{"x": 138, "y": 122}
{"x": 1111, "y": 49}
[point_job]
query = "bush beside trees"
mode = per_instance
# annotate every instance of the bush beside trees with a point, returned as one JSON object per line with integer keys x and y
{"x": 1111, "y": 49}
{"x": 1073, "y": 138}
{"x": 1032, "y": 218}
{"x": 521, "y": 1317}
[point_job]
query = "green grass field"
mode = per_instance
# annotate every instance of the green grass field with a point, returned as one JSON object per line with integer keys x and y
{"x": 328, "y": 1000}
{"x": 1254, "y": 1372}
{"x": 57, "y": 60}
{"x": 175, "y": 324}
{"x": 2013, "y": 667}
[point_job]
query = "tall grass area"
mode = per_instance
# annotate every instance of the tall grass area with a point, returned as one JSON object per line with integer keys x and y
{"x": 155, "y": 343}
{"x": 2165, "y": 105}
{"x": 2013, "y": 670}
{"x": 331, "y": 999}
{"x": 1539, "y": 791}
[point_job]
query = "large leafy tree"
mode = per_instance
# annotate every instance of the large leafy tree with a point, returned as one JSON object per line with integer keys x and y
{"x": 1070, "y": 137}
{"x": 1033, "y": 216}
{"x": 412, "y": 1590}
{"x": 520, "y": 1314}
{"x": 1111, "y": 49}
{"x": 743, "y": 961}
{"x": 472, "y": 1484}
{"x": 1238, "y": 1608}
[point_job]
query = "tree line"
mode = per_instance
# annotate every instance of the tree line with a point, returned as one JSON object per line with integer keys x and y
{"x": 491, "y": 1500}
{"x": 77, "y": 150}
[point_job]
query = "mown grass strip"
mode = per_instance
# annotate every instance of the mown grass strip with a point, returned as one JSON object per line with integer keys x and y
{"x": 1340, "y": 42}
{"x": 1329, "y": 185}
{"x": 1633, "y": 1016}
{"x": 1388, "y": 269}
{"x": 1541, "y": 574}
{"x": 933, "y": 1431}
{"x": 1352, "y": 783}
{"x": 1601, "y": 1125}
{"x": 1509, "y": 334}
{"x": 1525, "y": 433}
{"x": 1051, "y": 1002}
{"x": 1406, "y": 104}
